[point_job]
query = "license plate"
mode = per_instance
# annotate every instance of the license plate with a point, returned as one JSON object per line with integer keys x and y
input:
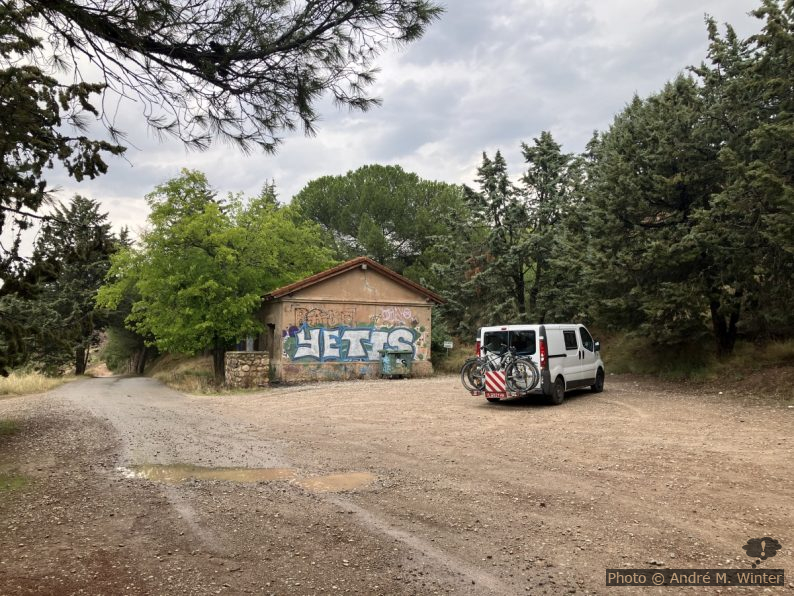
{"x": 496, "y": 394}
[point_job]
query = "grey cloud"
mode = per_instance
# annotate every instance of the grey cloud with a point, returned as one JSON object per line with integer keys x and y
{"x": 487, "y": 76}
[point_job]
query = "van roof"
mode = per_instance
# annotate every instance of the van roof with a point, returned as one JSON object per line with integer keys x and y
{"x": 528, "y": 326}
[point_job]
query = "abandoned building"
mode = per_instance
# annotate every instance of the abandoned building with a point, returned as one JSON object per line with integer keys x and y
{"x": 334, "y": 325}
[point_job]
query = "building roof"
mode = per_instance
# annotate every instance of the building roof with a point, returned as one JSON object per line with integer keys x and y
{"x": 364, "y": 262}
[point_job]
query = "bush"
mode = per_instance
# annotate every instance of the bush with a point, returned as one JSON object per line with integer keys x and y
{"x": 695, "y": 361}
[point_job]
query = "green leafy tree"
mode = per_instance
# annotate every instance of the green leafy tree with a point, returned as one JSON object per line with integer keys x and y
{"x": 125, "y": 350}
{"x": 383, "y": 212}
{"x": 201, "y": 269}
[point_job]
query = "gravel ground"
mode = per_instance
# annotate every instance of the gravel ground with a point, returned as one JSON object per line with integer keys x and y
{"x": 387, "y": 487}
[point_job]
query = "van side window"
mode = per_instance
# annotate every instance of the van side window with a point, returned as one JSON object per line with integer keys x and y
{"x": 570, "y": 340}
{"x": 587, "y": 340}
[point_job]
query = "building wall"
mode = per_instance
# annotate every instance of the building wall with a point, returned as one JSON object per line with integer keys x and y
{"x": 360, "y": 285}
{"x": 342, "y": 340}
{"x": 333, "y": 330}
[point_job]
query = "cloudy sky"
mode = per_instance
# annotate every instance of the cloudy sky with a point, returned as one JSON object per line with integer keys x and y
{"x": 488, "y": 75}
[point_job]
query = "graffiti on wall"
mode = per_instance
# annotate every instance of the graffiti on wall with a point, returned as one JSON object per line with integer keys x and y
{"x": 395, "y": 315}
{"x": 346, "y": 344}
{"x": 321, "y": 317}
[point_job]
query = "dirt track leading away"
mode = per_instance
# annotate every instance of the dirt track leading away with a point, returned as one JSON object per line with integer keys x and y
{"x": 387, "y": 487}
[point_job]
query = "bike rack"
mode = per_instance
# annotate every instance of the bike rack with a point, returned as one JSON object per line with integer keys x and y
{"x": 496, "y": 379}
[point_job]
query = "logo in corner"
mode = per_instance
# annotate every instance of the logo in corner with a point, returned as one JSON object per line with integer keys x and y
{"x": 761, "y": 548}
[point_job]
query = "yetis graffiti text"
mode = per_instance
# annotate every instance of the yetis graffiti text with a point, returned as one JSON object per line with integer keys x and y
{"x": 346, "y": 344}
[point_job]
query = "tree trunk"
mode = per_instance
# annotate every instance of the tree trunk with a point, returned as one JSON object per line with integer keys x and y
{"x": 724, "y": 328}
{"x": 533, "y": 295}
{"x": 80, "y": 360}
{"x": 219, "y": 362}
{"x": 141, "y": 356}
{"x": 521, "y": 293}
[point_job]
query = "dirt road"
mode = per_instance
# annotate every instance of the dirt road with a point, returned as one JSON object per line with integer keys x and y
{"x": 386, "y": 487}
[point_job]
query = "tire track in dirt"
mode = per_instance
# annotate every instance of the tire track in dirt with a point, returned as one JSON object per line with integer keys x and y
{"x": 431, "y": 556}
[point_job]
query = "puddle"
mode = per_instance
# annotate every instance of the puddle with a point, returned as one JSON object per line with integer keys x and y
{"x": 176, "y": 473}
{"x": 336, "y": 482}
{"x": 182, "y": 472}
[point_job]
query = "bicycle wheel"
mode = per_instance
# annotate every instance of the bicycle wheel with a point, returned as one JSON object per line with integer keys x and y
{"x": 472, "y": 375}
{"x": 521, "y": 376}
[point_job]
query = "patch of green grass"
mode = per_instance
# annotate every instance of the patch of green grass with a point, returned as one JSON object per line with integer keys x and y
{"x": 10, "y": 482}
{"x": 8, "y": 427}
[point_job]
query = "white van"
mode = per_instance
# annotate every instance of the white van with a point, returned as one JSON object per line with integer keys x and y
{"x": 566, "y": 354}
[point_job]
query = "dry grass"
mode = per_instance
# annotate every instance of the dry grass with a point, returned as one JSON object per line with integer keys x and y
{"x": 779, "y": 352}
{"x": 24, "y": 383}
{"x": 188, "y": 374}
{"x": 445, "y": 364}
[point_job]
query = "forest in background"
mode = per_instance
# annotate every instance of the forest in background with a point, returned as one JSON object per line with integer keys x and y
{"x": 674, "y": 226}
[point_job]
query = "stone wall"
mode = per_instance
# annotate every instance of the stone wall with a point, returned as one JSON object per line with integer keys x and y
{"x": 246, "y": 369}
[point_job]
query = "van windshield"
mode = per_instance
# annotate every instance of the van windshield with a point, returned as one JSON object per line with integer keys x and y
{"x": 499, "y": 341}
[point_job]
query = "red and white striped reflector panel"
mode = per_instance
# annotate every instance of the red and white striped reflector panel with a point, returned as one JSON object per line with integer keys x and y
{"x": 495, "y": 381}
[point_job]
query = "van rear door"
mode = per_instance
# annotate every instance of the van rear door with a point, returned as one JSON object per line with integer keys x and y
{"x": 522, "y": 338}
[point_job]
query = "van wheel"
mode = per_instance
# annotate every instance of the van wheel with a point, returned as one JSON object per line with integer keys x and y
{"x": 599, "y": 384}
{"x": 557, "y": 392}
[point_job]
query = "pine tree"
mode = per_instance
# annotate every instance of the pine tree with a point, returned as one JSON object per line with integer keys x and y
{"x": 71, "y": 258}
{"x": 502, "y": 263}
{"x": 550, "y": 187}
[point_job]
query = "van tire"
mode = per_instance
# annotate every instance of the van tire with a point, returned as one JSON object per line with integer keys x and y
{"x": 598, "y": 387}
{"x": 557, "y": 392}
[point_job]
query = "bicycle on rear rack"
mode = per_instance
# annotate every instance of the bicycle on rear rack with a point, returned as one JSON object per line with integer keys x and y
{"x": 521, "y": 374}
